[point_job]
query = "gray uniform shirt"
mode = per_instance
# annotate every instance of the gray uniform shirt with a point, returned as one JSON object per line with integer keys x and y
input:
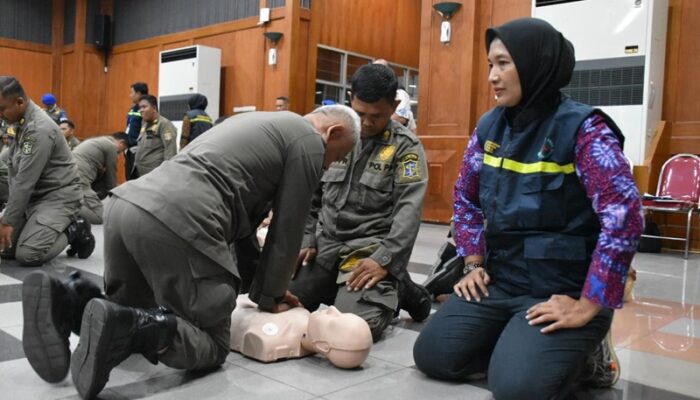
{"x": 97, "y": 157}
{"x": 41, "y": 167}
{"x": 373, "y": 196}
{"x": 156, "y": 143}
{"x": 221, "y": 186}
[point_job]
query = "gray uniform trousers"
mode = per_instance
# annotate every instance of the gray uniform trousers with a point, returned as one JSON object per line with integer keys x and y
{"x": 316, "y": 284}
{"x": 92, "y": 208}
{"x": 40, "y": 238}
{"x": 146, "y": 264}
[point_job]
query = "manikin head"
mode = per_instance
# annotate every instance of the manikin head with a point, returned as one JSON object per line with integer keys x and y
{"x": 344, "y": 338}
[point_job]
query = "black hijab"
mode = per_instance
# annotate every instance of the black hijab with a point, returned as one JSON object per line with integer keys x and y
{"x": 197, "y": 102}
{"x": 545, "y": 61}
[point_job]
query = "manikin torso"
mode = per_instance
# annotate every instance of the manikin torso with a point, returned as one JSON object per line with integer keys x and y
{"x": 343, "y": 338}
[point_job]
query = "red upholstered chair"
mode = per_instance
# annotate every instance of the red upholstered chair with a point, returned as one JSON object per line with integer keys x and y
{"x": 678, "y": 191}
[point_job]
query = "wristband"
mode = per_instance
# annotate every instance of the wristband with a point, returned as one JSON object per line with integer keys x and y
{"x": 471, "y": 266}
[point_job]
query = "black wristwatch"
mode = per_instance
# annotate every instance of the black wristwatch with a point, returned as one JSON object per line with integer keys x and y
{"x": 471, "y": 266}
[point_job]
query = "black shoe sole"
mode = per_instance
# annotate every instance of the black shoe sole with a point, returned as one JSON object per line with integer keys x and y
{"x": 46, "y": 348}
{"x": 102, "y": 347}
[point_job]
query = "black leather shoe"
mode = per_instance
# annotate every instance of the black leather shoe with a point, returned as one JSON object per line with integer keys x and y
{"x": 52, "y": 309}
{"x": 110, "y": 333}
{"x": 80, "y": 239}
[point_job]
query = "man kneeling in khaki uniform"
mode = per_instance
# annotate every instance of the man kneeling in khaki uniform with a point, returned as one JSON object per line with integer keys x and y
{"x": 173, "y": 239}
{"x": 366, "y": 216}
{"x": 40, "y": 218}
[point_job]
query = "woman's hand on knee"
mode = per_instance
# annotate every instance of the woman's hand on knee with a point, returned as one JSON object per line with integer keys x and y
{"x": 562, "y": 312}
{"x": 473, "y": 285}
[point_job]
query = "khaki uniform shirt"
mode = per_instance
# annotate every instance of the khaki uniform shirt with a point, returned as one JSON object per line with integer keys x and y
{"x": 222, "y": 185}
{"x": 41, "y": 166}
{"x": 156, "y": 144}
{"x": 373, "y": 196}
{"x": 97, "y": 159}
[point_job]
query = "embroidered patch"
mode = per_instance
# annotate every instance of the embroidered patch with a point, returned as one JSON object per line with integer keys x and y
{"x": 490, "y": 147}
{"x": 387, "y": 135}
{"x": 547, "y": 149}
{"x": 410, "y": 169}
{"x": 168, "y": 136}
{"x": 27, "y": 147}
{"x": 386, "y": 153}
{"x": 11, "y": 131}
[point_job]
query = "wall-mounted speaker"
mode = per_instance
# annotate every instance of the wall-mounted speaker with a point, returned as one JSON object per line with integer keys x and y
{"x": 103, "y": 32}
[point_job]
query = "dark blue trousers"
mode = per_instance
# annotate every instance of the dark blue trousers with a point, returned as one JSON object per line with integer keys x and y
{"x": 493, "y": 336}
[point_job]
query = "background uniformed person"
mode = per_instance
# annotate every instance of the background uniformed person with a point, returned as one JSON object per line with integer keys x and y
{"x": 156, "y": 141}
{"x": 96, "y": 159}
{"x": 133, "y": 125}
{"x": 56, "y": 113}
{"x": 368, "y": 215}
{"x": 68, "y": 128}
{"x": 40, "y": 216}
{"x": 196, "y": 121}
{"x": 172, "y": 239}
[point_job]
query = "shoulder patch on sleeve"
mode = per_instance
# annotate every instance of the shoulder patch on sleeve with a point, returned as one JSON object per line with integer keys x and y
{"x": 168, "y": 135}
{"x": 28, "y": 146}
{"x": 410, "y": 168}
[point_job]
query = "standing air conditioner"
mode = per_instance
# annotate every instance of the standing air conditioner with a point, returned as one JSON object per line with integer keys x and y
{"x": 194, "y": 69}
{"x": 620, "y": 54}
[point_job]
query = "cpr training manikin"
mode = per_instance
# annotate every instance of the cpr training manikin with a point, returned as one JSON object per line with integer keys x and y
{"x": 343, "y": 338}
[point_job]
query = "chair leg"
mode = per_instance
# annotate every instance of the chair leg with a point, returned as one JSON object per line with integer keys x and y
{"x": 687, "y": 233}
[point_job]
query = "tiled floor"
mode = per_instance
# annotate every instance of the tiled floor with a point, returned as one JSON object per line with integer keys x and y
{"x": 656, "y": 337}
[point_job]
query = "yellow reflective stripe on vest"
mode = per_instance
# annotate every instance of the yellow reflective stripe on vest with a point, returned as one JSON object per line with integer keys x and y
{"x": 531, "y": 168}
{"x": 134, "y": 113}
{"x": 201, "y": 119}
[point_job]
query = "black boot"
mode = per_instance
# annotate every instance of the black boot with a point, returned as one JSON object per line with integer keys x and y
{"x": 414, "y": 298}
{"x": 110, "y": 333}
{"x": 80, "y": 238}
{"x": 446, "y": 271}
{"x": 52, "y": 309}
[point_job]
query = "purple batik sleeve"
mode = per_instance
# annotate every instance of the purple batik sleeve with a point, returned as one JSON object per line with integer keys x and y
{"x": 468, "y": 218}
{"x": 607, "y": 178}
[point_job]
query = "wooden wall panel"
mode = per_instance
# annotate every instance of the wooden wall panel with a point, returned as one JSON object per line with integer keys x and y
{"x": 32, "y": 65}
{"x": 681, "y": 100}
{"x": 125, "y": 69}
{"x": 454, "y": 91}
{"x": 377, "y": 28}
{"x": 444, "y": 155}
{"x": 241, "y": 60}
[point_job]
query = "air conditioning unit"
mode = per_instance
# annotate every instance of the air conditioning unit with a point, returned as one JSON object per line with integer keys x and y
{"x": 184, "y": 71}
{"x": 620, "y": 55}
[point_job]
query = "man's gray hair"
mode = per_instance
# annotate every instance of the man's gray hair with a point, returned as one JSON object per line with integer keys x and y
{"x": 345, "y": 114}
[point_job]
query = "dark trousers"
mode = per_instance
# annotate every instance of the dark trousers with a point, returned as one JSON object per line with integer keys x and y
{"x": 147, "y": 265}
{"x": 464, "y": 338}
{"x": 315, "y": 285}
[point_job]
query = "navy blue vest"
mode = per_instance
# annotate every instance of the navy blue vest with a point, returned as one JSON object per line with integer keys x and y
{"x": 540, "y": 226}
{"x": 200, "y": 122}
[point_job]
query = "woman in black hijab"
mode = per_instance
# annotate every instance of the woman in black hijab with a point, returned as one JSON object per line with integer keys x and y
{"x": 564, "y": 218}
{"x": 196, "y": 121}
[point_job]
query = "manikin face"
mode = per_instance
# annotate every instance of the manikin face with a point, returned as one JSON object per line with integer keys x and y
{"x": 148, "y": 112}
{"x": 344, "y": 338}
{"x": 503, "y": 75}
{"x": 374, "y": 116}
{"x": 11, "y": 109}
